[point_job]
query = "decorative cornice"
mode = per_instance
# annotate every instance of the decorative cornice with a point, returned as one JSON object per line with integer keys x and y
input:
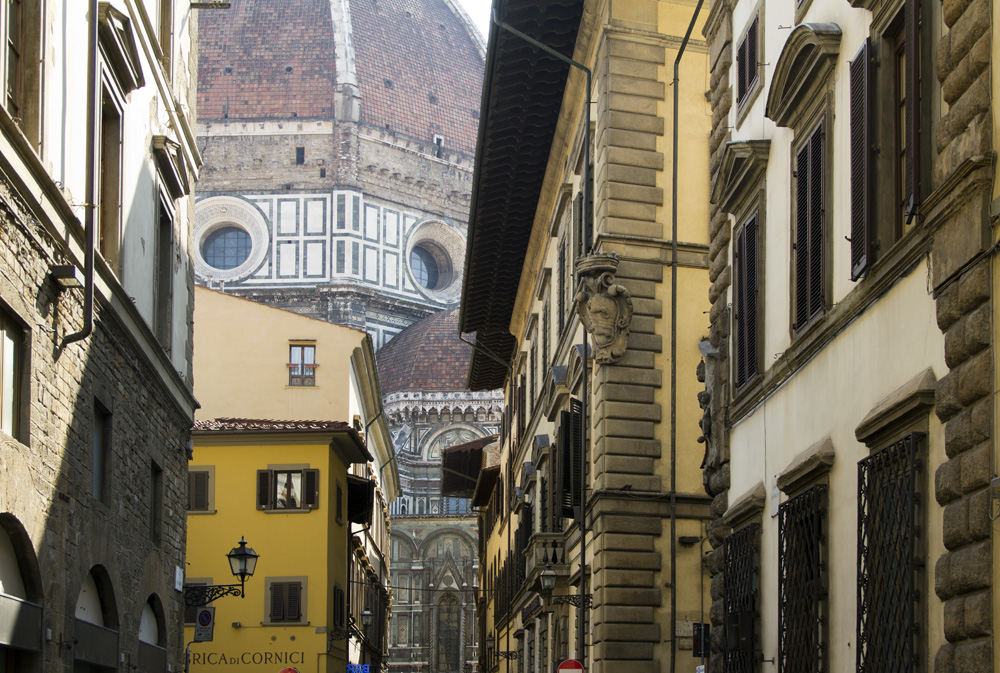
{"x": 747, "y": 506}
{"x": 806, "y": 60}
{"x": 908, "y": 403}
{"x": 743, "y": 164}
{"x": 118, "y": 45}
{"x": 808, "y": 466}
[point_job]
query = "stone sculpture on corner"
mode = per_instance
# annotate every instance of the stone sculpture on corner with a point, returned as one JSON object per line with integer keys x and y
{"x": 605, "y": 307}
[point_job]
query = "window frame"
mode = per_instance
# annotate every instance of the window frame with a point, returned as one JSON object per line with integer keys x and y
{"x": 15, "y": 394}
{"x": 302, "y": 380}
{"x": 301, "y": 582}
{"x": 745, "y": 98}
{"x": 753, "y": 213}
{"x": 740, "y": 653}
{"x": 163, "y": 274}
{"x": 818, "y": 122}
{"x": 27, "y": 100}
{"x": 266, "y": 483}
{"x": 101, "y": 450}
{"x": 110, "y": 157}
{"x": 209, "y": 471}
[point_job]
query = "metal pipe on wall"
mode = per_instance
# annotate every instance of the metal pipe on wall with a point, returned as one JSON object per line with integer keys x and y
{"x": 91, "y": 180}
{"x": 673, "y": 349}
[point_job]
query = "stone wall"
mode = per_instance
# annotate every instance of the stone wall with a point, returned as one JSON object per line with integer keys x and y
{"x": 715, "y": 371}
{"x": 47, "y": 469}
{"x": 963, "y": 576}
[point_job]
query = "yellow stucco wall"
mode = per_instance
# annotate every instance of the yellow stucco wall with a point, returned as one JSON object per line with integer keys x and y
{"x": 309, "y": 544}
{"x": 240, "y": 358}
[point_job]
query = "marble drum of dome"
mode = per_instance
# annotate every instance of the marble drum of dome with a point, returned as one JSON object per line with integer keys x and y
{"x": 435, "y": 253}
{"x": 230, "y": 238}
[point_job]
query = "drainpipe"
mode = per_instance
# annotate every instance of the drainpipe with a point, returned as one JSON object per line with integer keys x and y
{"x": 90, "y": 188}
{"x": 588, "y": 219}
{"x": 673, "y": 352}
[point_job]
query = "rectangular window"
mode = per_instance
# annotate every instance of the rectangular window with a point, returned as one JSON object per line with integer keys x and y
{"x": 339, "y": 505}
{"x": 561, "y": 299}
{"x": 301, "y": 365}
{"x": 356, "y": 215}
{"x": 742, "y": 573}
{"x": 570, "y": 455}
{"x": 200, "y": 489}
{"x": 747, "y": 77}
{"x": 15, "y": 55}
{"x": 101, "y": 450}
{"x": 747, "y": 292}
{"x": 109, "y": 204}
{"x": 166, "y": 33}
{"x": 300, "y": 155}
{"x": 286, "y": 604}
{"x": 340, "y": 257}
{"x": 889, "y": 557}
{"x": 810, "y": 200}
{"x": 802, "y": 582}
{"x": 155, "y": 502}
{"x": 11, "y": 339}
{"x": 287, "y": 489}
{"x": 163, "y": 284}
{"x": 339, "y": 607}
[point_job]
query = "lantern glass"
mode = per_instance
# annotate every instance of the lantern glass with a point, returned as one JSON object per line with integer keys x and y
{"x": 242, "y": 560}
{"x": 548, "y": 579}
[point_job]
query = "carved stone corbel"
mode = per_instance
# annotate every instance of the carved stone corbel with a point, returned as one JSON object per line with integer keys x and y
{"x": 604, "y": 306}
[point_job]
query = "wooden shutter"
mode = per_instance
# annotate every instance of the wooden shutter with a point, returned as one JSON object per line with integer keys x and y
{"x": 277, "y": 601}
{"x": 747, "y": 291}
{"x": 588, "y": 211}
{"x": 576, "y": 451}
{"x": 861, "y": 161}
{"x": 310, "y": 486}
{"x": 293, "y": 611}
{"x": 741, "y": 72}
{"x": 750, "y": 57}
{"x": 809, "y": 194}
{"x": 911, "y": 19}
{"x": 264, "y": 489}
{"x": 198, "y": 491}
{"x": 560, "y": 463}
{"x": 578, "y": 223}
{"x": 801, "y": 236}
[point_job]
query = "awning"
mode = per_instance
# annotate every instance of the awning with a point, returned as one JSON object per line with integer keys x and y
{"x": 461, "y": 465}
{"x": 485, "y": 485}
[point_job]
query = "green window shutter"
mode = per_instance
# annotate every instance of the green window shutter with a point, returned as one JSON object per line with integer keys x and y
{"x": 264, "y": 489}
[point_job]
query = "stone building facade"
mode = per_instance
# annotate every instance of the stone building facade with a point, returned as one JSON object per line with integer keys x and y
{"x": 435, "y": 553}
{"x": 338, "y": 156}
{"x": 96, "y": 395}
{"x": 568, "y": 291}
{"x": 862, "y": 415}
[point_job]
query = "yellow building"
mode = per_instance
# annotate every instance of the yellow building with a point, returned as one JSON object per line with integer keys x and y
{"x": 293, "y": 453}
{"x": 585, "y": 285}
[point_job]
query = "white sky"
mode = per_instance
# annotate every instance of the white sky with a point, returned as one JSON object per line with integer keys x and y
{"x": 479, "y": 12}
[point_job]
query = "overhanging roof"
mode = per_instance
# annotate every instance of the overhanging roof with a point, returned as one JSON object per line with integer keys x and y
{"x": 522, "y": 95}
{"x": 484, "y": 487}
{"x": 461, "y": 465}
{"x": 342, "y": 437}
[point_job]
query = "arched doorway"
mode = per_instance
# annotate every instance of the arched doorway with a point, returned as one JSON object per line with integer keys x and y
{"x": 20, "y": 599}
{"x": 449, "y": 631}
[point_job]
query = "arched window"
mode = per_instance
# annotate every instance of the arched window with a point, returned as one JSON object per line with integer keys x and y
{"x": 449, "y": 645}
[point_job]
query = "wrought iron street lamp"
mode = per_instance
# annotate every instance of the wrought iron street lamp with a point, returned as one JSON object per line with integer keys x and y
{"x": 242, "y": 563}
{"x": 548, "y": 582}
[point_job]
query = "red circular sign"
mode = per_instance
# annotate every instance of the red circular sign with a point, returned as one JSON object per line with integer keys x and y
{"x": 570, "y": 665}
{"x": 289, "y": 670}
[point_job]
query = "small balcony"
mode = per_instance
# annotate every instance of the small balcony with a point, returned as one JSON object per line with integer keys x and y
{"x": 545, "y": 549}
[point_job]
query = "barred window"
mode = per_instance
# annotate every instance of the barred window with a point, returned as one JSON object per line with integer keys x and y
{"x": 889, "y": 558}
{"x": 740, "y": 599}
{"x": 802, "y": 582}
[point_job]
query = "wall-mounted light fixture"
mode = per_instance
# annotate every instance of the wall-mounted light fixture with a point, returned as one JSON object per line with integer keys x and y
{"x": 66, "y": 276}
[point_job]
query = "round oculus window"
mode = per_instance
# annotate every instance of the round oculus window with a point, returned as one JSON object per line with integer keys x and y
{"x": 425, "y": 267}
{"x": 227, "y": 247}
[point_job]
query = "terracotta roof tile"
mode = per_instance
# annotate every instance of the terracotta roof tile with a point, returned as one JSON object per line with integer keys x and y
{"x": 426, "y": 356}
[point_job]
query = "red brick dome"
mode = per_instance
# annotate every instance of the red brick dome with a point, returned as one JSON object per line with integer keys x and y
{"x": 427, "y": 356}
{"x": 418, "y": 65}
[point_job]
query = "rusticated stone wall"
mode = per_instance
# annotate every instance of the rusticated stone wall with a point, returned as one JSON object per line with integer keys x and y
{"x": 715, "y": 370}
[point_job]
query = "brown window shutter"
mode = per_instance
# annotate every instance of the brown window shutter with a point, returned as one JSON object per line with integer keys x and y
{"x": 802, "y": 236}
{"x": 741, "y": 72}
{"x": 198, "y": 491}
{"x": 911, "y": 19}
{"x": 578, "y": 223}
{"x": 816, "y": 210}
{"x": 310, "y": 480}
{"x": 264, "y": 489}
{"x": 751, "y": 57}
{"x": 576, "y": 451}
{"x": 747, "y": 290}
{"x": 294, "y": 611}
{"x": 277, "y": 601}
{"x": 861, "y": 161}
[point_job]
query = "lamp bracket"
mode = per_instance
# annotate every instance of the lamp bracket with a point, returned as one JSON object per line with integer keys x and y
{"x": 508, "y": 654}
{"x": 576, "y": 600}
{"x": 202, "y": 594}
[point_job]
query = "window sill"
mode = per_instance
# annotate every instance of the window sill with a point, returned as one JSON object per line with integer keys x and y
{"x": 291, "y": 624}
{"x": 301, "y": 387}
{"x": 299, "y": 510}
{"x": 201, "y": 512}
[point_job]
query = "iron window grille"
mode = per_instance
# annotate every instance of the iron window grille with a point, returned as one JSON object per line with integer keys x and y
{"x": 740, "y": 599}
{"x": 802, "y": 590}
{"x": 889, "y": 559}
